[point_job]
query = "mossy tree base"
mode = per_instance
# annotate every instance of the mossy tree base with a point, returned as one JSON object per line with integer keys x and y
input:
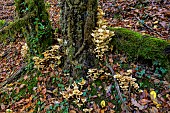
{"x": 33, "y": 22}
{"x": 15, "y": 27}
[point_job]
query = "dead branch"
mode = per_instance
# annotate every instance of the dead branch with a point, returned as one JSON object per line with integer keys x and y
{"x": 13, "y": 76}
{"x": 148, "y": 27}
{"x": 117, "y": 88}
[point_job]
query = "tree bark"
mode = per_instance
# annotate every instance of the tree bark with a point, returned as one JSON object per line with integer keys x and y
{"x": 38, "y": 32}
{"x": 78, "y": 19}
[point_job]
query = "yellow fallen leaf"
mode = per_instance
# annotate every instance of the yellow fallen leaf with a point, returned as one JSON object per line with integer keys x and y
{"x": 155, "y": 26}
{"x": 155, "y": 102}
{"x": 153, "y": 95}
{"x": 158, "y": 105}
{"x": 11, "y": 84}
{"x": 9, "y": 111}
{"x": 103, "y": 103}
{"x": 156, "y": 22}
{"x": 154, "y": 99}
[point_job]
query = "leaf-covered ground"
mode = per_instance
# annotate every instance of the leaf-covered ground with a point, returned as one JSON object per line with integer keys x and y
{"x": 48, "y": 90}
{"x": 146, "y": 16}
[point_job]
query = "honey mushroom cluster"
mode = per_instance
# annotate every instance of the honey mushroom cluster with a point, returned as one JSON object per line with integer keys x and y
{"x": 95, "y": 73}
{"x": 125, "y": 80}
{"x": 101, "y": 36}
{"x": 51, "y": 58}
{"x": 87, "y": 110}
{"x": 75, "y": 93}
{"x": 24, "y": 50}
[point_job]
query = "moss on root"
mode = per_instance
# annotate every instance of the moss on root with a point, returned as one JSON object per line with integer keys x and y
{"x": 12, "y": 29}
{"x": 141, "y": 47}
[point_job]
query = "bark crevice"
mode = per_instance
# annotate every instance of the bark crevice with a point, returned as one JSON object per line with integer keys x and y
{"x": 78, "y": 19}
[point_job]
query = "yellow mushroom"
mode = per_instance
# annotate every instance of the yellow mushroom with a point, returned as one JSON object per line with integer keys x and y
{"x": 82, "y": 82}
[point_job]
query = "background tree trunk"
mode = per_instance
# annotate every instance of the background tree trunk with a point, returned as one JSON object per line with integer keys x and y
{"x": 78, "y": 19}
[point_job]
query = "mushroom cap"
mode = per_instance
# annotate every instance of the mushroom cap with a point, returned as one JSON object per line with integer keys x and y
{"x": 104, "y": 26}
{"x": 129, "y": 71}
{"x": 100, "y": 30}
{"x": 82, "y": 82}
{"x": 101, "y": 71}
{"x": 76, "y": 91}
{"x": 90, "y": 70}
{"x": 56, "y": 47}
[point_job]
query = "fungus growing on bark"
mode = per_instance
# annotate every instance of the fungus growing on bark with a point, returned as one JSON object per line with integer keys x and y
{"x": 24, "y": 50}
{"x": 51, "y": 59}
{"x": 101, "y": 36}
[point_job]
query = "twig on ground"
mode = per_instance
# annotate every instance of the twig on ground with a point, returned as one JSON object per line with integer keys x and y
{"x": 13, "y": 76}
{"x": 117, "y": 88}
{"x": 148, "y": 27}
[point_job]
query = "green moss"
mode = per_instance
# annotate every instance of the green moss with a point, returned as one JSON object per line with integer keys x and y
{"x": 136, "y": 45}
{"x": 2, "y": 22}
{"x": 33, "y": 22}
{"x": 13, "y": 28}
{"x": 22, "y": 93}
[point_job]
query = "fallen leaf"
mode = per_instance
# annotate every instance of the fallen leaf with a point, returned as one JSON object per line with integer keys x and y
{"x": 163, "y": 24}
{"x": 21, "y": 86}
{"x": 135, "y": 103}
{"x": 95, "y": 106}
{"x": 2, "y": 106}
{"x": 102, "y": 111}
{"x": 112, "y": 111}
{"x": 123, "y": 59}
{"x": 144, "y": 101}
{"x": 9, "y": 111}
{"x": 153, "y": 110}
{"x": 111, "y": 105}
{"x": 167, "y": 13}
{"x": 103, "y": 103}
{"x": 72, "y": 111}
{"x": 153, "y": 95}
{"x": 25, "y": 77}
{"x": 44, "y": 91}
{"x": 108, "y": 89}
{"x": 111, "y": 60}
{"x": 155, "y": 26}
{"x": 156, "y": 22}
{"x": 31, "y": 110}
{"x": 154, "y": 99}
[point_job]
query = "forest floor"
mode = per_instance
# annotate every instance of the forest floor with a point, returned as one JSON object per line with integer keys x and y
{"x": 147, "y": 17}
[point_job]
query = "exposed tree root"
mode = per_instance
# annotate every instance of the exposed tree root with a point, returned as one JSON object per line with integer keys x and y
{"x": 16, "y": 75}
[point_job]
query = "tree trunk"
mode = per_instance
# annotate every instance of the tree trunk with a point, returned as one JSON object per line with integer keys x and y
{"x": 38, "y": 32}
{"x": 78, "y": 19}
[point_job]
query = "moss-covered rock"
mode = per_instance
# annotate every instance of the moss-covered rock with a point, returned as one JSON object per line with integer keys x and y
{"x": 141, "y": 47}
